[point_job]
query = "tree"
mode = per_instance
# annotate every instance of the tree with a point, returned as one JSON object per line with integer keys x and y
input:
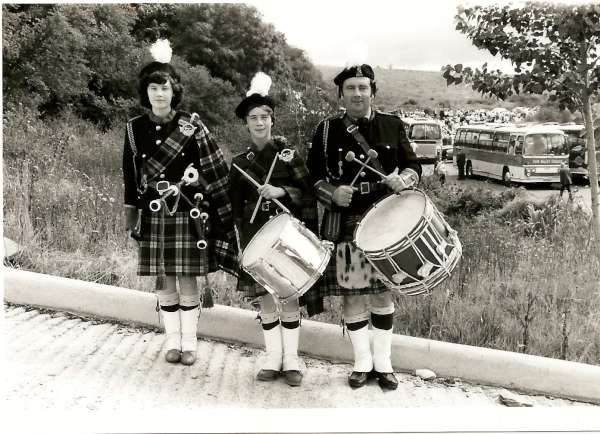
{"x": 554, "y": 49}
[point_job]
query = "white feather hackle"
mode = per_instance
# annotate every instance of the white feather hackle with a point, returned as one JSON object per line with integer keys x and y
{"x": 260, "y": 84}
{"x": 161, "y": 51}
{"x": 357, "y": 54}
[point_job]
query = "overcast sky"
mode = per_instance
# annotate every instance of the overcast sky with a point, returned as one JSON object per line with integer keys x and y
{"x": 408, "y": 34}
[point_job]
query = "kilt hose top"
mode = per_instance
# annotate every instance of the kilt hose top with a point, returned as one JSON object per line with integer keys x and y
{"x": 292, "y": 176}
{"x": 329, "y": 169}
{"x": 160, "y": 149}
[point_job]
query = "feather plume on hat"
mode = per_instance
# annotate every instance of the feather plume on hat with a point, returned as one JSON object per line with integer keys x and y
{"x": 161, "y": 51}
{"x": 257, "y": 95}
{"x": 260, "y": 84}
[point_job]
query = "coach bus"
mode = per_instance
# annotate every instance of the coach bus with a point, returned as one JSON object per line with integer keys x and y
{"x": 578, "y": 155}
{"x": 425, "y": 136}
{"x": 511, "y": 153}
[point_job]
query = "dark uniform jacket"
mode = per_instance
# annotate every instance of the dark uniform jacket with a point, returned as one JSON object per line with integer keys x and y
{"x": 329, "y": 169}
{"x": 144, "y": 137}
{"x": 300, "y": 199}
{"x": 292, "y": 176}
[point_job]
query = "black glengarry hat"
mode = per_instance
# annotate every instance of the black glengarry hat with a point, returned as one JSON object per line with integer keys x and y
{"x": 257, "y": 96}
{"x": 362, "y": 70}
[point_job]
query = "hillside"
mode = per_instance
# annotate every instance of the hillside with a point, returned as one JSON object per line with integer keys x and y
{"x": 405, "y": 89}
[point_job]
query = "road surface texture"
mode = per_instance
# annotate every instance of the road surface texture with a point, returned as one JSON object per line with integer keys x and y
{"x": 57, "y": 361}
{"x": 536, "y": 193}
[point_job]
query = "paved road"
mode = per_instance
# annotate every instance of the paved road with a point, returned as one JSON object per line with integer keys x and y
{"x": 59, "y": 362}
{"x": 581, "y": 193}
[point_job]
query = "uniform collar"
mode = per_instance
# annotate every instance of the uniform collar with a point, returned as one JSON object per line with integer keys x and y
{"x": 269, "y": 145}
{"x": 162, "y": 120}
{"x": 364, "y": 119}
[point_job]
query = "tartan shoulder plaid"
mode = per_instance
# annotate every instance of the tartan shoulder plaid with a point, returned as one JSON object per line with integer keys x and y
{"x": 302, "y": 193}
{"x": 215, "y": 171}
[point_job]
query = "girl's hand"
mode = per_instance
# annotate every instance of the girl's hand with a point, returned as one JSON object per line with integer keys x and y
{"x": 269, "y": 191}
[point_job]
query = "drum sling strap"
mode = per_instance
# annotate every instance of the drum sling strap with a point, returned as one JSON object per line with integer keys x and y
{"x": 332, "y": 220}
{"x": 360, "y": 139}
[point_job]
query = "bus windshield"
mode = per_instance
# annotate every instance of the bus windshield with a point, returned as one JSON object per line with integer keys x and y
{"x": 425, "y": 132}
{"x": 545, "y": 144}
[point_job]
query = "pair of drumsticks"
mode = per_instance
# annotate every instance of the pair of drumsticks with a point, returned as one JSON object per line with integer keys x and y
{"x": 257, "y": 185}
{"x": 350, "y": 156}
{"x": 371, "y": 154}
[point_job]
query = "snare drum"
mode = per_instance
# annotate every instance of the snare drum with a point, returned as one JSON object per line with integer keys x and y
{"x": 285, "y": 257}
{"x": 408, "y": 242}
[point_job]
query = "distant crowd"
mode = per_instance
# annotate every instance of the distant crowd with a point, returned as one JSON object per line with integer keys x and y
{"x": 451, "y": 119}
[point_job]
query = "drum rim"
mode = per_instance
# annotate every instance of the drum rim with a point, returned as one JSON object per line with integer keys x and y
{"x": 372, "y": 207}
{"x": 422, "y": 286}
{"x": 262, "y": 229}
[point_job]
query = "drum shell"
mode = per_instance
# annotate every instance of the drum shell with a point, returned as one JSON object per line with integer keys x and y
{"x": 286, "y": 264}
{"x": 431, "y": 240}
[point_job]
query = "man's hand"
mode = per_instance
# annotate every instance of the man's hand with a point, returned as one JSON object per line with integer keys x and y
{"x": 395, "y": 181}
{"x": 342, "y": 196}
{"x": 269, "y": 192}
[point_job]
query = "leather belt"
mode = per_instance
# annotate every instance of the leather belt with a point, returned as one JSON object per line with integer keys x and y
{"x": 369, "y": 187}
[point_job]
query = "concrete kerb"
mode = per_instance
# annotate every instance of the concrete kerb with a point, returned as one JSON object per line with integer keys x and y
{"x": 479, "y": 365}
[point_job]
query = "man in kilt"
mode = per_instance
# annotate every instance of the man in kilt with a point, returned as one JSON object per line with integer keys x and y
{"x": 176, "y": 202}
{"x": 288, "y": 181}
{"x": 349, "y": 274}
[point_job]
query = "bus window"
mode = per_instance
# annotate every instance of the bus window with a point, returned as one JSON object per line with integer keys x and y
{"x": 545, "y": 144}
{"x": 425, "y": 132}
{"x": 485, "y": 140}
{"x": 519, "y": 146}
{"x": 535, "y": 144}
{"x": 511, "y": 145}
{"x": 558, "y": 145}
{"x": 500, "y": 142}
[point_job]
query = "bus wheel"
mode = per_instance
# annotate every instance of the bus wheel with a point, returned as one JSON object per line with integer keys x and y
{"x": 506, "y": 177}
{"x": 469, "y": 170}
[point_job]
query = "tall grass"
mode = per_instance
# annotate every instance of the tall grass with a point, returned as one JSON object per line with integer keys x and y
{"x": 528, "y": 280}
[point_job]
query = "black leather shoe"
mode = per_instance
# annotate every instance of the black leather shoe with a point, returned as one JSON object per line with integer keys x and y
{"x": 173, "y": 356}
{"x": 293, "y": 378}
{"x": 359, "y": 379}
{"x": 267, "y": 375}
{"x": 387, "y": 380}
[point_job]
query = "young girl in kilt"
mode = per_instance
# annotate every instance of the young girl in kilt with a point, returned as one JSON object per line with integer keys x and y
{"x": 289, "y": 184}
{"x": 176, "y": 202}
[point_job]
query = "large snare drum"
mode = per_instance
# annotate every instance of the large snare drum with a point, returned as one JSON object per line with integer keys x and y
{"x": 285, "y": 257}
{"x": 408, "y": 242}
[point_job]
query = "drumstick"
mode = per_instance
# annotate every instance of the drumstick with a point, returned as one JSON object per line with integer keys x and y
{"x": 266, "y": 182}
{"x": 257, "y": 185}
{"x": 359, "y": 171}
{"x": 350, "y": 157}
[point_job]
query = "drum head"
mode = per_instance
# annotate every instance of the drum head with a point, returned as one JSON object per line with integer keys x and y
{"x": 265, "y": 238}
{"x": 390, "y": 220}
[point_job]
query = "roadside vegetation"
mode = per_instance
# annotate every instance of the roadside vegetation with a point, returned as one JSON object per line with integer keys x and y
{"x": 528, "y": 280}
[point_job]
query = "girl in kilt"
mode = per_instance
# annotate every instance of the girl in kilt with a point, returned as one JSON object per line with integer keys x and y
{"x": 176, "y": 202}
{"x": 290, "y": 184}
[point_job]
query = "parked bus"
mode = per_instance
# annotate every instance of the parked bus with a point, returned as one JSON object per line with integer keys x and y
{"x": 511, "y": 153}
{"x": 578, "y": 155}
{"x": 425, "y": 136}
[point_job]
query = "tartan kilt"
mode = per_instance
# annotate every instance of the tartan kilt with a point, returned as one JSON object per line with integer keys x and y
{"x": 181, "y": 256}
{"x": 252, "y": 289}
{"x": 328, "y": 285}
